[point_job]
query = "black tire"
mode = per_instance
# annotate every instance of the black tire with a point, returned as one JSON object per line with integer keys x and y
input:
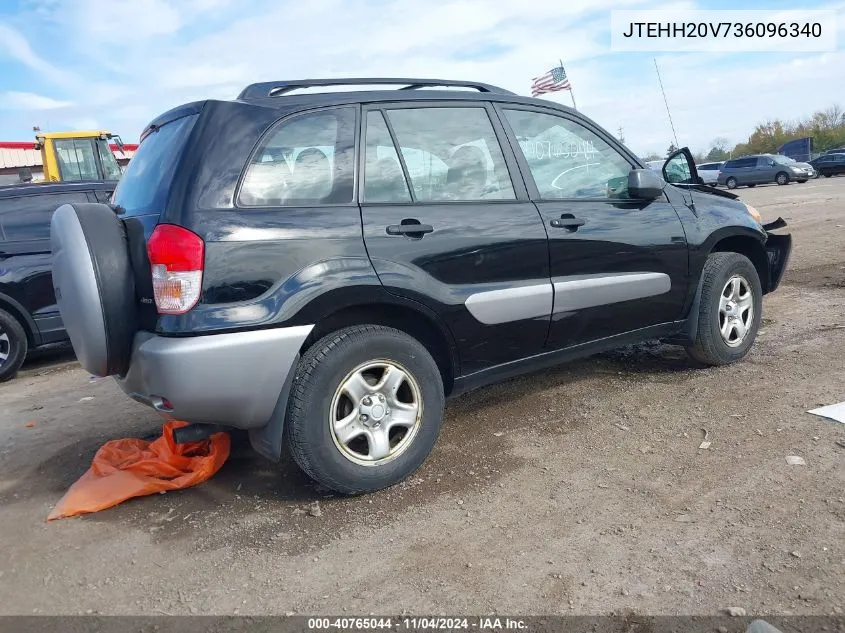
{"x": 95, "y": 285}
{"x": 710, "y": 347}
{"x": 828, "y": 175}
{"x": 13, "y": 346}
{"x": 782, "y": 178}
{"x": 752, "y": 185}
{"x": 731, "y": 183}
{"x": 802, "y": 181}
{"x": 318, "y": 376}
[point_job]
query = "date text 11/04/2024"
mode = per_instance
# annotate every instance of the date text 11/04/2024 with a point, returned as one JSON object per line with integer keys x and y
{"x": 417, "y": 624}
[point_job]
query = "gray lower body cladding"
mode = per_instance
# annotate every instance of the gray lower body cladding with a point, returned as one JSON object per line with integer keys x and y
{"x": 230, "y": 379}
{"x": 564, "y": 294}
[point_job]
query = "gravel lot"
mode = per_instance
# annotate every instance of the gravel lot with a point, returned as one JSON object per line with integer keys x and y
{"x": 579, "y": 490}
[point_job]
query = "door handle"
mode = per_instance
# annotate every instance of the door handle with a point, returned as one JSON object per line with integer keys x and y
{"x": 409, "y": 229}
{"x": 568, "y": 221}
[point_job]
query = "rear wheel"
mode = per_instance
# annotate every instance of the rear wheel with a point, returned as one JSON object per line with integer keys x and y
{"x": 802, "y": 181}
{"x": 782, "y": 178}
{"x": 729, "y": 310}
{"x": 731, "y": 183}
{"x": 365, "y": 410}
{"x": 828, "y": 175}
{"x": 13, "y": 346}
{"x": 752, "y": 185}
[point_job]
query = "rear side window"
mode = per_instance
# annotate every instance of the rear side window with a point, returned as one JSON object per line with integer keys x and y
{"x": 28, "y": 217}
{"x": 740, "y": 162}
{"x": 305, "y": 160}
{"x": 144, "y": 187}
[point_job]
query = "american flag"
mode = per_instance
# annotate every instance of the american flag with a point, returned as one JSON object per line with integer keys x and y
{"x": 552, "y": 81}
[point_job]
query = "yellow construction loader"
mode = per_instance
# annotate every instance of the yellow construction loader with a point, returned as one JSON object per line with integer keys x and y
{"x": 78, "y": 155}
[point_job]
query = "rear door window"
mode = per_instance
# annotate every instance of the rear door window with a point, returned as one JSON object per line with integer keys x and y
{"x": 27, "y": 218}
{"x": 384, "y": 180}
{"x": 305, "y": 160}
{"x": 451, "y": 154}
{"x": 144, "y": 187}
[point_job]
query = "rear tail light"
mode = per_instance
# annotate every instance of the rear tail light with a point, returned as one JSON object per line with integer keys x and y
{"x": 176, "y": 256}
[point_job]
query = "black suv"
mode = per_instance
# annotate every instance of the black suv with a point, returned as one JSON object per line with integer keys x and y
{"x": 829, "y": 165}
{"x": 29, "y": 316}
{"x": 322, "y": 269}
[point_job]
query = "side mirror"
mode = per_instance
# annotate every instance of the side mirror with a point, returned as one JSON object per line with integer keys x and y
{"x": 645, "y": 184}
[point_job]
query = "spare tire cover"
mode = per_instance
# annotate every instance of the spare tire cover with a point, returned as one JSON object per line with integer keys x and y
{"x": 94, "y": 284}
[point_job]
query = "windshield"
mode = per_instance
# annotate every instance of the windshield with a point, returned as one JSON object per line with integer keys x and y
{"x": 783, "y": 160}
{"x": 111, "y": 170}
{"x": 144, "y": 186}
{"x": 76, "y": 159}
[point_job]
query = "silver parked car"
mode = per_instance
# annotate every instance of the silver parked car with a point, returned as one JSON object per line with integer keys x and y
{"x": 709, "y": 172}
{"x": 763, "y": 168}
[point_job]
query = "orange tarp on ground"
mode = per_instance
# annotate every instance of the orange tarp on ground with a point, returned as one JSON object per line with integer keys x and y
{"x": 128, "y": 468}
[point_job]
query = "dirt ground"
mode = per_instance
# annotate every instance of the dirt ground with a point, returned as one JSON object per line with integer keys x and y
{"x": 579, "y": 490}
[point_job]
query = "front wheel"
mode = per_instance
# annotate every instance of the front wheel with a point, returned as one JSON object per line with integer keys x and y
{"x": 782, "y": 178}
{"x": 729, "y": 310}
{"x": 731, "y": 183}
{"x": 365, "y": 409}
{"x": 13, "y": 346}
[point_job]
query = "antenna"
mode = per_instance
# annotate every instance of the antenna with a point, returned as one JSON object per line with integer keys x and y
{"x": 675, "y": 134}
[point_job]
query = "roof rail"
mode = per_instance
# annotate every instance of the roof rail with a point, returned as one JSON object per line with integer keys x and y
{"x": 278, "y": 88}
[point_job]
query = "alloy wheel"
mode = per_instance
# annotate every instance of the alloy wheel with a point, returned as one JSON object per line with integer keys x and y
{"x": 376, "y": 412}
{"x": 736, "y": 310}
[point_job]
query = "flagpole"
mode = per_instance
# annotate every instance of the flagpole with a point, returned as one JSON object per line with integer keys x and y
{"x": 571, "y": 92}
{"x": 675, "y": 134}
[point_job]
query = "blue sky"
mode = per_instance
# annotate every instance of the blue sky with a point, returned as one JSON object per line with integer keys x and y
{"x": 116, "y": 64}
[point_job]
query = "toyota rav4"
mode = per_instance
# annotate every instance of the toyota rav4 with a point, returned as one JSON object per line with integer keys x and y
{"x": 322, "y": 269}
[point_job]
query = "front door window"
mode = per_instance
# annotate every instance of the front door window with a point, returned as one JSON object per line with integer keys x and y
{"x": 567, "y": 160}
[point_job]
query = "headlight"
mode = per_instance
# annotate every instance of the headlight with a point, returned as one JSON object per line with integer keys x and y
{"x": 754, "y": 213}
{"x": 797, "y": 170}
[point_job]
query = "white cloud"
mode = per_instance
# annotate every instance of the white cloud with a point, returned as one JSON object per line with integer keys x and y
{"x": 129, "y": 60}
{"x": 29, "y": 101}
{"x": 17, "y": 47}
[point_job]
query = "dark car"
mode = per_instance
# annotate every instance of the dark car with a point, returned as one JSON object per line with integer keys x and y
{"x": 829, "y": 165}
{"x": 763, "y": 168}
{"x": 29, "y": 316}
{"x": 323, "y": 269}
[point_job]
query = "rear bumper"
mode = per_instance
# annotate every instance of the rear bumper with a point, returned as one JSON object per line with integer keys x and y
{"x": 230, "y": 379}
